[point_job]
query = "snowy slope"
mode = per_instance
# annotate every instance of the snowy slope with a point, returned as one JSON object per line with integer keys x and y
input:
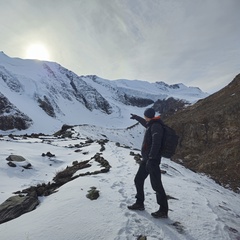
{"x": 145, "y": 89}
{"x": 77, "y": 99}
{"x": 201, "y": 208}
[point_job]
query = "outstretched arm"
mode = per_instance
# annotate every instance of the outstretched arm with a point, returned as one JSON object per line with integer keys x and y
{"x": 139, "y": 119}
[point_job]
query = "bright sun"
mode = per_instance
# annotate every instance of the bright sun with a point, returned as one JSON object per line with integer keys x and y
{"x": 37, "y": 51}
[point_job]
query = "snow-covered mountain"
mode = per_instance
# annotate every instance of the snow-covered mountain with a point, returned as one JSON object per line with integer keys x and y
{"x": 46, "y": 96}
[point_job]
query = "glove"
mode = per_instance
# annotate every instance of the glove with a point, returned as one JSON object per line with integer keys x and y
{"x": 133, "y": 116}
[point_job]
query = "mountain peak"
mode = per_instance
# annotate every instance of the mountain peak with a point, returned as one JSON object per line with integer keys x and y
{"x": 51, "y": 95}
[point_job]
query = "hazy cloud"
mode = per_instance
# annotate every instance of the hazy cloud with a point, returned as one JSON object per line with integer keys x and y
{"x": 189, "y": 41}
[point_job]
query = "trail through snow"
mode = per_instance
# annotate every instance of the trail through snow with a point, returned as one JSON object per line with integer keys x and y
{"x": 199, "y": 208}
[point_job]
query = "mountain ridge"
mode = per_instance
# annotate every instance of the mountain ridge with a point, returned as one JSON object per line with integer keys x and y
{"x": 48, "y": 93}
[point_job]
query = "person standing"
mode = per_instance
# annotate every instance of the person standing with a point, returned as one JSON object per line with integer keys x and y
{"x": 151, "y": 159}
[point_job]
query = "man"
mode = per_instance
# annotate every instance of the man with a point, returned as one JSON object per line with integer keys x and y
{"x": 151, "y": 159}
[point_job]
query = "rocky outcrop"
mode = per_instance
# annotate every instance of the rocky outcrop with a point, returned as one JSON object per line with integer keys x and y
{"x": 27, "y": 199}
{"x": 15, "y": 206}
{"x": 134, "y": 101}
{"x": 46, "y": 106}
{"x": 10, "y": 80}
{"x": 210, "y": 135}
{"x": 169, "y": 106}
{"x": 11, "y": 117}
{"x": 86, "y": 94}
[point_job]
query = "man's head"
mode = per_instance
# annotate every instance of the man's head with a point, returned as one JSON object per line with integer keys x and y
{"x": 149, "y": 113}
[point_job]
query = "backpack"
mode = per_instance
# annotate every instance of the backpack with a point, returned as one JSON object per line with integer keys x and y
{"x": 169, "y": 141}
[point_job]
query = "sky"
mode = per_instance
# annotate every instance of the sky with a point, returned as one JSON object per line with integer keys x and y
{"x": 188, "y": 41}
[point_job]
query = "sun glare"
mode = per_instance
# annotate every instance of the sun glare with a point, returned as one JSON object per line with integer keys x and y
{"x": 37, "y": 51}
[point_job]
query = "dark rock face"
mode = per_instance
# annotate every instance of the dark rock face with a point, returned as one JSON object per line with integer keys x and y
{"x": 10, "y": 80}
{"x": 11, "y": 117}
{"x": 15, "y": 206}
{"x": 210, "y": 135}
{"x": 138, "y": 102}
{"x": 168, "y": 107}
{"x": 46, "y": 106}
{"x": 86, "y": 94}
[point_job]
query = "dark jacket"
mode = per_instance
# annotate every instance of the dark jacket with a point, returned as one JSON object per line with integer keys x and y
{"x": 152, "y": 140}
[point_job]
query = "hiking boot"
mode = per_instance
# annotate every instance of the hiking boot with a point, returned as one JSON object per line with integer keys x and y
{"x": 137, "y": 206}
{"x": 159, "y": 214}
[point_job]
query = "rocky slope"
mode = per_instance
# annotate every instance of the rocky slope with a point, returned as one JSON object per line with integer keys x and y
{"x": 210, "y": 135}
{"x": 11, "y": 117}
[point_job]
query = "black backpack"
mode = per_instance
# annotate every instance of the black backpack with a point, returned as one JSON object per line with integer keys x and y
{"x": 169, "y": 141}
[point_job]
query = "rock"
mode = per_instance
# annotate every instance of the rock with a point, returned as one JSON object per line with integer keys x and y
{"x": 93, "y": 193}
{"x": 89, "y": 140}
{"x": 169, "y": 106}
{"x": 66, "y": 175}
{"x": 15, "y": 206}
{"x": 11, "y": 117}
{"x": 131, "y": 153}
{"x": 104, "y": 163}
{"x": 64, "y": 132}
{"x": 16, "y": 158}
{"x": 78, "y": 150}
{"x": 137, "y": 156}
{"x": 135, "y": 101}
{"x": 48, "y": 154}
{"x": 19, "y": 161}
{"x": 11, "y": 164}
{"x": 102, "y": 141}
{"x": 27, "y": 166}
{"x": 102, "y": 148}
{"x": 46, "y": 105}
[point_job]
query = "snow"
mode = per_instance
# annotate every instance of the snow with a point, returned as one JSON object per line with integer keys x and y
{"x": 155, "y": 91}
{"x": 201, "y": 209}
{"x": 33, "y": 79}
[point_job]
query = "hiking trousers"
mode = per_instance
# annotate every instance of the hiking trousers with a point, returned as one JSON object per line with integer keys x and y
{"x": 151, "y": 168}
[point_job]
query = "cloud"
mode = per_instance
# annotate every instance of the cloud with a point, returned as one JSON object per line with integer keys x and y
{"x": 187, "y": 41}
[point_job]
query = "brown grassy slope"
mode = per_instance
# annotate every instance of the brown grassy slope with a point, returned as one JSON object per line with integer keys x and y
{"x": 210, "y": 135}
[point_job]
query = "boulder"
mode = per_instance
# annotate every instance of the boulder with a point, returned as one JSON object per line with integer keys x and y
{"x": 15, "y": 206}
{"x": 16, "y": 158}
